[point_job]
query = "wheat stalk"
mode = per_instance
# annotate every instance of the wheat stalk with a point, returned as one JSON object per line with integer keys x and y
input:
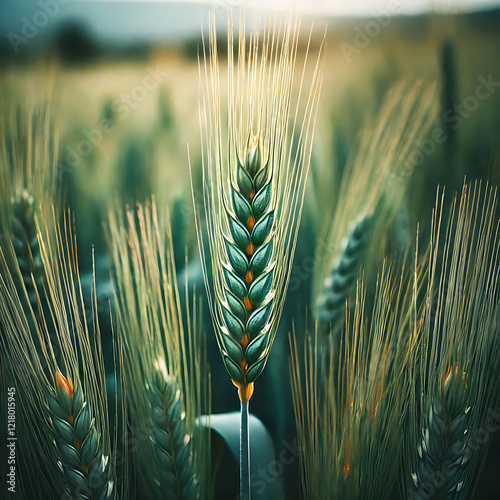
{"x": 28, "y": 160}
{"x": 26, "y": 246}
{"x": 253, "y": 193}
{"x": 164, "y": 369}
{"x": 458, "y": 368}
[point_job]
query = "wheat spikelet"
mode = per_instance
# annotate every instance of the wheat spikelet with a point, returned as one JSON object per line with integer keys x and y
{"x": 164, "y": 371}
{"x": 86, "y": 469}
{"x": 331, "y": 303}
{"x": 458, "y": 367}
{"x": 253, "y": 189}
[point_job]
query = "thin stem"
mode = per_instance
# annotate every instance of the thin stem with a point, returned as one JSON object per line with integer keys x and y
{"x": 244, "y": 455}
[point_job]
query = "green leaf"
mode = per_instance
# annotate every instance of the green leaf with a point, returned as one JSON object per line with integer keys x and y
{"x": 64, "y": 399}
{"x": 83, "y": 421}
{"x": 242, "y": 208}
{"x": 245, "y": 183}
{"x": 239, "y": 232}
{"x": 64, "y": 430}
{"x": 90, "y": 446}
{"x": 261, "y": 177}
{"x": 256, "y": 370}
{"x": 77, "y": 402}
{"x": 56, "y": 408}
{"x": 234, "y": 326}
{"x": 77, "y": 479}
{"x": 235, "y": 284}
{"x": 164, "y": 457}
{"x": 69, "y": 454}
{"x": 233, "y": 348}
{"x": 161, "y": 437}
{"x": 175, "y": 410}
{"x": 236, "y": 306}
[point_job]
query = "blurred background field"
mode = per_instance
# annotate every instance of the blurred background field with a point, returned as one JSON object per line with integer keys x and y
{"x": 124, "y": 138}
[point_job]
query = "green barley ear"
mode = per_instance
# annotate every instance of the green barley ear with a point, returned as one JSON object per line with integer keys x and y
{"x": 165, "y": 380}
{"x": 254, "y": 179}
{"x": 28, "y": 178}
{"x": 78, "y": 443}
{"x": 458, "y": 363}
{"x": 443, "y": 451}
{"x": 64, "y": 421}
{"x": 26, "y": 246}
{"x": 372, "y": 188}
{"x": 171, "y": 441}
{"x": 254, "y": 188}
{"x": 331, "y": 303}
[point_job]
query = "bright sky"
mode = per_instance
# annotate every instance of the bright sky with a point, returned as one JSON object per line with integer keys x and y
{"x": 349, "y": 7}
{"x": 167, "y": 21}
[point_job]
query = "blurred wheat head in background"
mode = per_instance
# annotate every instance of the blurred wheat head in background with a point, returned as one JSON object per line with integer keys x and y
{"x": 164, "y": 369}
{"x": 371, "y": 193}
{"x": 405, "y": 396}
{"x": 28, "y": 179}
{"x": 457, "y": 365}
{"x": 255, "y": 163}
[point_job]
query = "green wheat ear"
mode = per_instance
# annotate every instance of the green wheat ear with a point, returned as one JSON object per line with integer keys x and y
{"x": 165, "y": 381}
{"x": 85, "y": 468}
{"x": 332, "y": 301}
{"x": 26, "y": 246}
{"x": 248, "y": 297}
{"x": 443, "y": 451}
{"x": 254, "y": 176}
{"x": 254, "y": 180}
{"x": 458, "y": 366}
{"x": 171, "y": 441}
